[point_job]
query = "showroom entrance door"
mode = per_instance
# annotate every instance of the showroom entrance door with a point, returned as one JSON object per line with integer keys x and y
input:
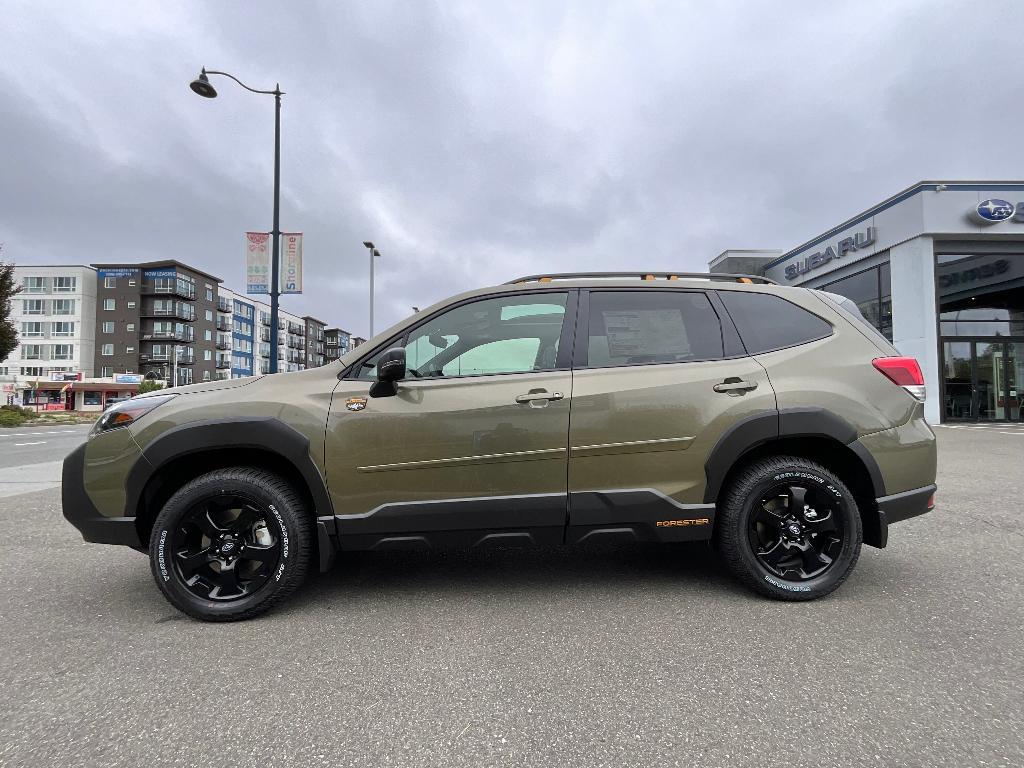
{"x": 982, "y": 379}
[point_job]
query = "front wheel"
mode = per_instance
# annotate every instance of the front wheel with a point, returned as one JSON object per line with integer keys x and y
{"x": 230, "y": 545}
{"x": 789, "y": 528}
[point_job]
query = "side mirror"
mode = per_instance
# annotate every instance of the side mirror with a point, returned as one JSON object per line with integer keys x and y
{"x": 390, "y": 368}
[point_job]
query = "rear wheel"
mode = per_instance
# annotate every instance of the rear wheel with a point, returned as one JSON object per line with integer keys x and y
{"x": 230, "y": 545}
{"x": 789, "y": 528}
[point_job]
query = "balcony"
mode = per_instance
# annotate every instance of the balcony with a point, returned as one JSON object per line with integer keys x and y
{"x": 181, "y": 312}
{"x": 223, "y": 324}
{"x": 168, "y": 288}
{"x": 223, "y": 364}
{"x": 223, "y": 343}
{"x": 224, "y": 305}
{"x": 168, "y": 336}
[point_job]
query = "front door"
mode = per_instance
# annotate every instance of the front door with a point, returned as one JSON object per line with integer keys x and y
{"x": 472, "y": 447}
{"x": 981, "y": 380}
{"x": 653, "y": 391}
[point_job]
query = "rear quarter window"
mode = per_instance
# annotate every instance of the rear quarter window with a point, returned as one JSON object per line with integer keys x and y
{"x": 768, "y": 322}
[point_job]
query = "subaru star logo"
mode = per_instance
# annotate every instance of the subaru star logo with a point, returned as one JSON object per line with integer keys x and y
{"x": 995, "y": 210}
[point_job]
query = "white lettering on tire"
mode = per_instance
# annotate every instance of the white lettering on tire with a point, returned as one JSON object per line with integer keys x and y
{"x": 160, "y": 555}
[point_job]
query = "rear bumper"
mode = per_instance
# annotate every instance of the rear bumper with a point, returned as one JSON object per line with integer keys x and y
{"x": 903, "y": 506}
{"x": 82, "y": 513}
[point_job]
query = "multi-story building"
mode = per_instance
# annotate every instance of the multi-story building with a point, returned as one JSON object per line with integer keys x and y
{"x": 54, "y": 316}
{"x": 118, "y": 322}
{"x": 315, "y": 350}
{"x": 158, "y": 318}
{"x": 336, "y": 343}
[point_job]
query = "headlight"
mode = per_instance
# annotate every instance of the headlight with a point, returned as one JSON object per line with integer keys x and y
{"x": 128, "y": 412}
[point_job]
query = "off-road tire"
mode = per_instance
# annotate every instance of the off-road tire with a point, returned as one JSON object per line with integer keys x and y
{"x": 295, "y": 554}
{"x": 737, "y": 504}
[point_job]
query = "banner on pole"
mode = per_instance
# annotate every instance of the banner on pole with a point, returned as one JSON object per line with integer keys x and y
{"x": 291, "y": 262}
{"x": 257, "y": 262}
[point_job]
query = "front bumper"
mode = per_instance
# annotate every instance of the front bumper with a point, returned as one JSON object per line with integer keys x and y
{"x": 903, "y": 506}
{"x": 82, "y": 513}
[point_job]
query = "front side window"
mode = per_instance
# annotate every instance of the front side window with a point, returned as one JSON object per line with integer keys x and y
{"x": 642, "y": 327}
{"x": 768, "y": 322}
{"x": 507, "y": 334}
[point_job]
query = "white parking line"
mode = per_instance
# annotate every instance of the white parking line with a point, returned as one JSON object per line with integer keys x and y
{"x": 37, "y": 442}
{"x": 41, "y": 432}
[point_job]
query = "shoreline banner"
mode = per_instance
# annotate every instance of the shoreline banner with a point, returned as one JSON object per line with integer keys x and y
{"x": 291, "y": 262}
{"x": 257, "y": 262}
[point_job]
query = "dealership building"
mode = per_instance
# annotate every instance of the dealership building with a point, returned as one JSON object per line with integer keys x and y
{"x": 939, "y": 270}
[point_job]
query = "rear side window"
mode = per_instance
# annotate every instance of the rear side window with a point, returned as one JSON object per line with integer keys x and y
{"x": 638, "y": 327}
{"x": 767, "y": 322}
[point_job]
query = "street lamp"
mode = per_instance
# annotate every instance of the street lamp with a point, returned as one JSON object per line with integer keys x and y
{"x": 373, "y": 253}
{"x": 202, "y": 86}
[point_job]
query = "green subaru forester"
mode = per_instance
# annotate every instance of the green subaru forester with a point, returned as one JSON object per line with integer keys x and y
{"x": 774, "y": 422}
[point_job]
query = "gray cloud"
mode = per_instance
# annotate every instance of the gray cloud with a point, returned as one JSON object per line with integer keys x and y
{"x": 474, "y": 142}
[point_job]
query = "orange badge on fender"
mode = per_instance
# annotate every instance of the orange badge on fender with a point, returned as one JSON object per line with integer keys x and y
{"x": 355, "y": 403}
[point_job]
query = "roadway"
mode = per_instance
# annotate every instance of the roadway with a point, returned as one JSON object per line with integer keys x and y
{"x": 626, "y": 656}
{"x": 31, "y": 457}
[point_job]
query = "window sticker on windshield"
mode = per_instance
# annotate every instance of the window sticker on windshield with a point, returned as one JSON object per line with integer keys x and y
{"x": 645, "y": 332}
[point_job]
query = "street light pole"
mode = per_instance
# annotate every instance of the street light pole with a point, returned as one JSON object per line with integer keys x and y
{"x": 202, "y": 86}
{"x": 374, "y": 253}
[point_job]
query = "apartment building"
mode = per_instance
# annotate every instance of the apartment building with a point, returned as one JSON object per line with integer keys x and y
{"x": 337, "y": 342}
{"x": 54, "y": 316}
{"x": 117, "y": 322}
{"x": 148, "y": 314}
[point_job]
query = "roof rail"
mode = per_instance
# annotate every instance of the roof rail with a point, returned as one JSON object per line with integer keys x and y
{"x": 717, "y": 276}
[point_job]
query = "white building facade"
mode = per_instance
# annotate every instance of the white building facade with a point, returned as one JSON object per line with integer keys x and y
{"x": 55, "y": 317}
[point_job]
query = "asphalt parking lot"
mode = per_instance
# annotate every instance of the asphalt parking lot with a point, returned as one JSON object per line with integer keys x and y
{"x": 564, "y": 657}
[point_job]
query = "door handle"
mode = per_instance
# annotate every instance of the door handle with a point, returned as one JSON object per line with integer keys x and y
{"x": 533, "y": 397}
{"x": 735, "y": 386}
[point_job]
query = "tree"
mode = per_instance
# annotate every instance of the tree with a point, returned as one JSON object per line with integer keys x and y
{"x": 8, "y": 334}
{"x": 150, "y": 385}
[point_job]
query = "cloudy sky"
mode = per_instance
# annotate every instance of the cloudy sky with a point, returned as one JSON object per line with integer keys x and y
{"x": 477, "y": 141}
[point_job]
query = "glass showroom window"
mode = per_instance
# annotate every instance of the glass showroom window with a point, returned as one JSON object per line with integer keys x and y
{"x": 62, "y": 329}
{"x": 63, "y": 352}
{"x": 63, "y": 306}
{"x": 871, "y": 291}
{"x": 92, "y": 397}
{"x": 64, "y": 284}
{"x": 34, "y": 285}
{"x": 32, "y": 330}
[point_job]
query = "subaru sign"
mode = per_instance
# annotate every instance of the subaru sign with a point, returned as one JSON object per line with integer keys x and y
{"x": 995, "y": 210}
{"x": 848, "y": 244}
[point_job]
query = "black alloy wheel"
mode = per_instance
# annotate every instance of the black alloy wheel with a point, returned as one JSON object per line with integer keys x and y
{"x": 795, "y": 530}
{"x": 788, "y": 527}
{"x": 226, "y": 547}
{"x": 231, "y": 544}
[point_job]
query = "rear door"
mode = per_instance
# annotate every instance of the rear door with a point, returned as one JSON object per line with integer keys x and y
{"x": 659, "y": 375}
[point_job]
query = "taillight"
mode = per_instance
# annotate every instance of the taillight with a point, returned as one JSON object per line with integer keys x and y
{"x": 904, "y": 372}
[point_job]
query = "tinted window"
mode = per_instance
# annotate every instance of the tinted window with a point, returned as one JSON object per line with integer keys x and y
{"x": 637, "y": 327}
{"x": 508, "y": 334}
{"x": 767, "y": 322}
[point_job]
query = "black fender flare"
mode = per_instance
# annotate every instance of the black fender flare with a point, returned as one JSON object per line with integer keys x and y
{"x": 753, "y": 431}
{"x": 267, "y": 434}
